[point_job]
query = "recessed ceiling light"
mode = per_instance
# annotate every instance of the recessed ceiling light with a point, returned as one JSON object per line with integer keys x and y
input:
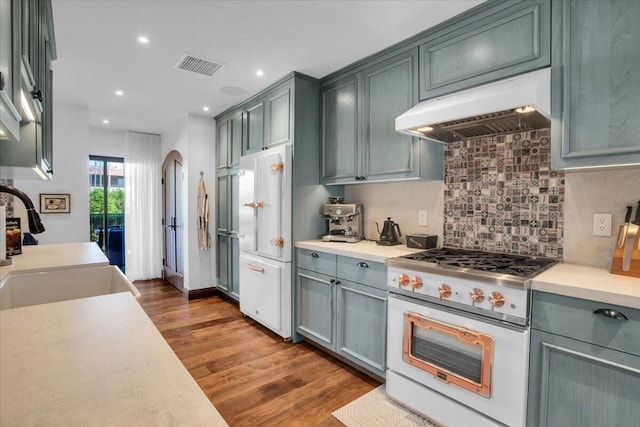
{"x": 143, "y": 40}
{"x": 259, "y": 73}
{"x": 119, "y": 93}
{"x": 205, "y": 108}
{"x": 105, "y": 121}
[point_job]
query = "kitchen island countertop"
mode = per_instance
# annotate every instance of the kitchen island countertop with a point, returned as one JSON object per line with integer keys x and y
{"x": 55, "y": 257}
{"x": 595, "y": 284}
{"x": 92, "y": 362}
{"x": 364, "y": 249}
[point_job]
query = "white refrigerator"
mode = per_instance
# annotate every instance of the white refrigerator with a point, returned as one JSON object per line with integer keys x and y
{"x": 265, "y": 237}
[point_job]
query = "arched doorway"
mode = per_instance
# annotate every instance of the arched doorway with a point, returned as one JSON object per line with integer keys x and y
{"x": 172, "y": 219}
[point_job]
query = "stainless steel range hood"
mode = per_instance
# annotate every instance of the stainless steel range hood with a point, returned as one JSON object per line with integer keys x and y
{"x": 515, "y": 104}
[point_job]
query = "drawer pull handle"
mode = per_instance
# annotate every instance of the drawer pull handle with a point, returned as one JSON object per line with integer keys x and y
{"x": 363, "y": 265}
{"x": 254, "y": 268}
{"x": 613, "y": 314}
{"x": 314, "y": 255}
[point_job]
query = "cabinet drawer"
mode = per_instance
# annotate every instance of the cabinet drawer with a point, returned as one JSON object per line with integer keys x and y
{"x": 320, "y": 262}
{"x": 575, "y": 318}
{"x": 361, "y": 271}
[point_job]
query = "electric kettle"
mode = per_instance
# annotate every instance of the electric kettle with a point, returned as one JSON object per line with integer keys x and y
{"x": 389, "y": 235}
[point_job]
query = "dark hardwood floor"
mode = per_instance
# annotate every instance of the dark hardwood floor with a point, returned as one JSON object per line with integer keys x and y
{"x": 250, "y": 375}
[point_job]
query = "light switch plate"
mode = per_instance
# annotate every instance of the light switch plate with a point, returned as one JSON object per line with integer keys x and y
{"x": 602, "y": 224}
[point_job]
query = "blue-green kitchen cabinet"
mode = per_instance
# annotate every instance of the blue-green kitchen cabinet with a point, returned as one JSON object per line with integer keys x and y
{"x": 596, "y": 83}
{"x": 342, "y": 315}
{"x": 584, "y": 367}
{"x": 229, "y": 139}
{"x": 269, "y": 119}
{"x": 505, "y": 39}
{"x": 358, "y": 138}
{"x": 226, "y": 239}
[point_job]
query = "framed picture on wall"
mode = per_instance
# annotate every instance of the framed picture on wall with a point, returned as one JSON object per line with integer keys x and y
{"x": 55, "y": 203}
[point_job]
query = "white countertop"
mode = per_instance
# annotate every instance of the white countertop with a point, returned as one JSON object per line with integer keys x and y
{"x": 94, "y": 362}
{"x": 55, "y": 257}
{"x": 364, "y": 249}
{"x": 590, "y": 283}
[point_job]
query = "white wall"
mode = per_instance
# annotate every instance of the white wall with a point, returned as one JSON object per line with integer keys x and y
{"x": 194, "y": 139}
{"x": 70, "y": 156}
{"x": 106, "y": 142}
{"x": 401, "y": 201}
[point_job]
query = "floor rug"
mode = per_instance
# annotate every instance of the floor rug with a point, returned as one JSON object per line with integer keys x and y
{"x": 374, "y": 409}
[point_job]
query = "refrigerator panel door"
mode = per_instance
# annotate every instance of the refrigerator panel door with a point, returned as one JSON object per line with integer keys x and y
{"x": 269, "y": 205}
{"x": 247, "y": 229}
{"x": 261, "y": 290}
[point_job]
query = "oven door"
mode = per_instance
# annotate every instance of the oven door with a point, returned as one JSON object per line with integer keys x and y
{"x": 451, "y": 353}
{"x": 478, "y": 363}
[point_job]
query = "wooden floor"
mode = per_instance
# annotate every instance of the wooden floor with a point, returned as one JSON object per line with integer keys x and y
{"x": 250, "y": 375}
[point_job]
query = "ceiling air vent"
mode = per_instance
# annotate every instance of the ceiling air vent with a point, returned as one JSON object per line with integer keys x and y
{"x": 197, "y": 64}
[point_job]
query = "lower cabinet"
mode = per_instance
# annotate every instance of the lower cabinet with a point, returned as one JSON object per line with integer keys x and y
{"x": 572, "y": 380}
{"x": 346, "y": 317}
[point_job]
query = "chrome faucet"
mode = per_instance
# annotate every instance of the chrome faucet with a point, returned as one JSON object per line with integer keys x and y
{"x": 35, "y": 225}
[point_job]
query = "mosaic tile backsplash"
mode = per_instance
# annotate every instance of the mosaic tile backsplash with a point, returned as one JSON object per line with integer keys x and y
{"x": 501, "y": 196}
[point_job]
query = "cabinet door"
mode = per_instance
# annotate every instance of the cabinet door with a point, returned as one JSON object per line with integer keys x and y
{"x": 222, "y": 262}
{"x": 222, "y": 203}
{"x": 9, "y": 69}
{"x": 340, "y": 133}
{"x": 254, "y": 116}
{"x": 315, "y": 308}
{"x": 573, "y": 383}
{"x": 222, "y": 142}
{"x": 234, "y": 267}
{"x": 279, "y": 115}
{"x": 233, "y": 202}
{"x": 597, "y": 66}
{"x": 511, "y": 41}
{"x": 235, "y": 139}
{"x": 391, "y": 88}
{"x": 362, "y": 325}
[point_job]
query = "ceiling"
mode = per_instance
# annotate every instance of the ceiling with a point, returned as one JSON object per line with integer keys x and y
{"x": 98, "y": 52}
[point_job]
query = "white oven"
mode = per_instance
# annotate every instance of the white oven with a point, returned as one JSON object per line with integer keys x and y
{"x": 457, "y": 368}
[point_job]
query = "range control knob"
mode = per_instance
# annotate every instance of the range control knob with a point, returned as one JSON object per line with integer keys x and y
{"x": 496, "y": 299}
{"x": 416, "y": 282}
{"x": 444, "y": 290}
{"x": 403, "y": 280}
{"x": 477, "y": 295}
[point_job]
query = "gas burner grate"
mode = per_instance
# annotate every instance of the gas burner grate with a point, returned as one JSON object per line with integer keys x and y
{"x": 515, "y": 265}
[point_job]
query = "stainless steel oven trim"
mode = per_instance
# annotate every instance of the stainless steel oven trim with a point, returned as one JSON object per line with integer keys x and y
{"x": 469, "y": 336}
{"x": 463, "y": 311}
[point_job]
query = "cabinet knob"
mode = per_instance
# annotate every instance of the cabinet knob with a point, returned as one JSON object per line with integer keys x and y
{"x": 332, "y": 281}
{"x": 363, "y": 265}
{"x": 36, "y": 94}
{"x": 314, "y": 255}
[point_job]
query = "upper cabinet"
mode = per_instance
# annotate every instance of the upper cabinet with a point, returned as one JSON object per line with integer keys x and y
{"x": 27, "y": 77}
{"x": 269, "y": 119}
{"x": 9, "y": 70}
{"x": 596, "y": 79}
{"x": 358, "y": 137}
{"x": 229, "y": 140}
{"x": 506, "y": 40}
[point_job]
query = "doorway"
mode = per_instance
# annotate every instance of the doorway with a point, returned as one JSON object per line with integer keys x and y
{"x": 106, "y": 207}
{"x": 172, "y": 219}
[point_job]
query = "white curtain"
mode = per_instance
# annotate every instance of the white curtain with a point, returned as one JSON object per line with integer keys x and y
{"x": 143, "y": 206}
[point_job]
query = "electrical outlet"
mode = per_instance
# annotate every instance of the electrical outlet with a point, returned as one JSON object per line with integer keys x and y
{"x": 422, "y": 218}
{"x": 602, "y": 224}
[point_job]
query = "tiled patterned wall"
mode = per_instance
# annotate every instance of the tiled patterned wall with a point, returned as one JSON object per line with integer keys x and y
{"x": 7, "y": 199}
{"x": 500, "y": 195}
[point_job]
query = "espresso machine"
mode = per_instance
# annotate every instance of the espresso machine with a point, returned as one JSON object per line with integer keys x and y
{"x": 346, "y": 222}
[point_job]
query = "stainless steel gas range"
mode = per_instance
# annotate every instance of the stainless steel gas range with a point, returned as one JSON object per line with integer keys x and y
{"x": 458, "y": 334}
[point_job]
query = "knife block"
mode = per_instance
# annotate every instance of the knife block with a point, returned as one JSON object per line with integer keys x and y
{"x": 617, "y": 264}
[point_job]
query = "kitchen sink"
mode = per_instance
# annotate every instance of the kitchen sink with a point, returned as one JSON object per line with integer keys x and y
{"x": 22, "y": 290}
